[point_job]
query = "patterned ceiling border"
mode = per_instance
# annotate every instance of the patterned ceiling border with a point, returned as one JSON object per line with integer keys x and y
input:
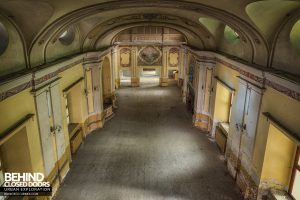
{"x": 264, "y": 81}
{"x": 15, "y": 90}
{"x": 241, "y": 71}
{"x": 293, "y": 94}
{"x": 55, "y": 73}
{"x": 280, "y": 88}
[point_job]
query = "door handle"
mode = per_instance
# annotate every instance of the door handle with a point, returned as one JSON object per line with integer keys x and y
{"x": 57, "y": 128}
{"x": 52, "y": 129}
{"x": 237, "y": 126}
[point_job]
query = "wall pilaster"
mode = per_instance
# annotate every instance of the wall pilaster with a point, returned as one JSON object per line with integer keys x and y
{"x": 163, "y": 80}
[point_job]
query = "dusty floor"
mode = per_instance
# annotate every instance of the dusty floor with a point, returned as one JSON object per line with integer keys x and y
{"x": 148, "y": 151}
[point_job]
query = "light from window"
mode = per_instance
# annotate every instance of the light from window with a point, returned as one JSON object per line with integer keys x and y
{"x": 230, "y": 35}
{"x": 67, "y": 37}
{"x": 295, "y": 36}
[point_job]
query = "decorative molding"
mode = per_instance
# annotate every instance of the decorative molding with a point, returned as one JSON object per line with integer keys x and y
{"x": 125, "y": 52}
{"x": 15, "y": 90}
{"x": 44, "y": 74}
{"x": 173, "y": 54}
{"x": 288, "y": 92}
{"x": 266, "y": 79}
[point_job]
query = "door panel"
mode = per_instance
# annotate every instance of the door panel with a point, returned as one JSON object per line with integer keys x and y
{"x": 250, "y": 120}
{"x": 237, "y": 118}
{"x": 96, "y": 79}
{"x": 46, "y": 137}
{"x": 57, "y": 120}
{"x": 207, "y": 94}
{"x": 200, "y": 88}
{"x": 89, "y": 88}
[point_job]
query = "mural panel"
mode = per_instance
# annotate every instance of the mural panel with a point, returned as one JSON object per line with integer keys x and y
{"x": 150, "y": 56}
{"x": 173, "y": 57}
{"x": 125, "y": 57}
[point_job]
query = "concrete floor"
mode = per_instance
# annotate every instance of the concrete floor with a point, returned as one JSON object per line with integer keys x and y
{"x": 148, "y": 151}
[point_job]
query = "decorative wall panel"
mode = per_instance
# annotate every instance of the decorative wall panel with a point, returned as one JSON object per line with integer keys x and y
{"x": 173, "y": 57}
{"x": 125, "y": 57}
{"x": 192, "y": 65}
{"x": 150, "y": 56}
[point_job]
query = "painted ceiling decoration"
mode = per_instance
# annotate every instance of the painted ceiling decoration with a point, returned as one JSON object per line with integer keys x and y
{"x": 149, "y": 56}
{"x": 249, "y": 30}
{"x": 150, "y": 34}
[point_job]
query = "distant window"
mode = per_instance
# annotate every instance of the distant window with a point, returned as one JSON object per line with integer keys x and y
{"x": 3, "y": 39}
{"x": 295, "y": 36}
{"x": 295, "y": 180}
{"x": 230, "y": 35}
{"x": 67, "y": 37}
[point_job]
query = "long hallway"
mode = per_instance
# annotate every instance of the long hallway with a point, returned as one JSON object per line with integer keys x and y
{"x": 149, "y": 150}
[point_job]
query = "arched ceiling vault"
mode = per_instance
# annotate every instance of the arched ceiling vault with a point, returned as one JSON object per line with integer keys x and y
{"x": 196, "y": 34}
{"x": 193, "y": 39}
{"x": 48, "y": 19}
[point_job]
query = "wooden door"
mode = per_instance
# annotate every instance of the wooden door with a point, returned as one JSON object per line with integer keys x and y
{"x": 236, "y": 124}
{"x": 57, "y": 120}
{"x": 207, "y": 91}
{"x": 43, "y": 105}
{"x": 89, "y": 91}
{"x": 252, "y": 107}
{"x": 96, "y": 79}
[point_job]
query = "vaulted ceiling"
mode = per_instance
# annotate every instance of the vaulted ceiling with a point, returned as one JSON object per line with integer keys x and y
{"x": 258, "y": 24}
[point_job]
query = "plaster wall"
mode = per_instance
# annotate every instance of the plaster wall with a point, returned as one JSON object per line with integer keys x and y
{"x": 68, "y": 77}
{"x": 276, "y": 171}
{"x": 16, "y": 159}
{"x": 15, "y": 108}
{"x": 222, "y": 103}
{"x": 284, "y": 109}
{"x": 77, "y": 104}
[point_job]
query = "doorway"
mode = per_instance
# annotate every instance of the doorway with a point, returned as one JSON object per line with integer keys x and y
{"x": 149, "y": 76}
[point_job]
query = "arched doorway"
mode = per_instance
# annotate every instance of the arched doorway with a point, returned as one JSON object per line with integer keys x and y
{"x": 106, "y": 83}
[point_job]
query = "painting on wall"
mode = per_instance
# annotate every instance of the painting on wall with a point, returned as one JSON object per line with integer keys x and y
{"x": 125, "y": 57}
{"x": 150, "y": 56}
{"x": 173, "y": 57}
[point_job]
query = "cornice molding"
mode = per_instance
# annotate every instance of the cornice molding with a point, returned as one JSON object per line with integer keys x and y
{"x": 44, "y": 74}
{"x": 262, "y": 77}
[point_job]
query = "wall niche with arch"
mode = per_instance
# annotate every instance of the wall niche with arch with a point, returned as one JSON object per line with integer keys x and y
{"x": 67, "y": 42}
{"x": 228, "y": 40}
{"x": 286, "y": 56}
{"x": 12, "y": 55}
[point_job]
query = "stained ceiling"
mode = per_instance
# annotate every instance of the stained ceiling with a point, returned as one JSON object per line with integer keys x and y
{"x": 41, "y": 22}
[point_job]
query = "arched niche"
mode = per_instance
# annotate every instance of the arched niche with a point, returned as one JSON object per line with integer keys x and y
{"x": 106, "y": 82}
